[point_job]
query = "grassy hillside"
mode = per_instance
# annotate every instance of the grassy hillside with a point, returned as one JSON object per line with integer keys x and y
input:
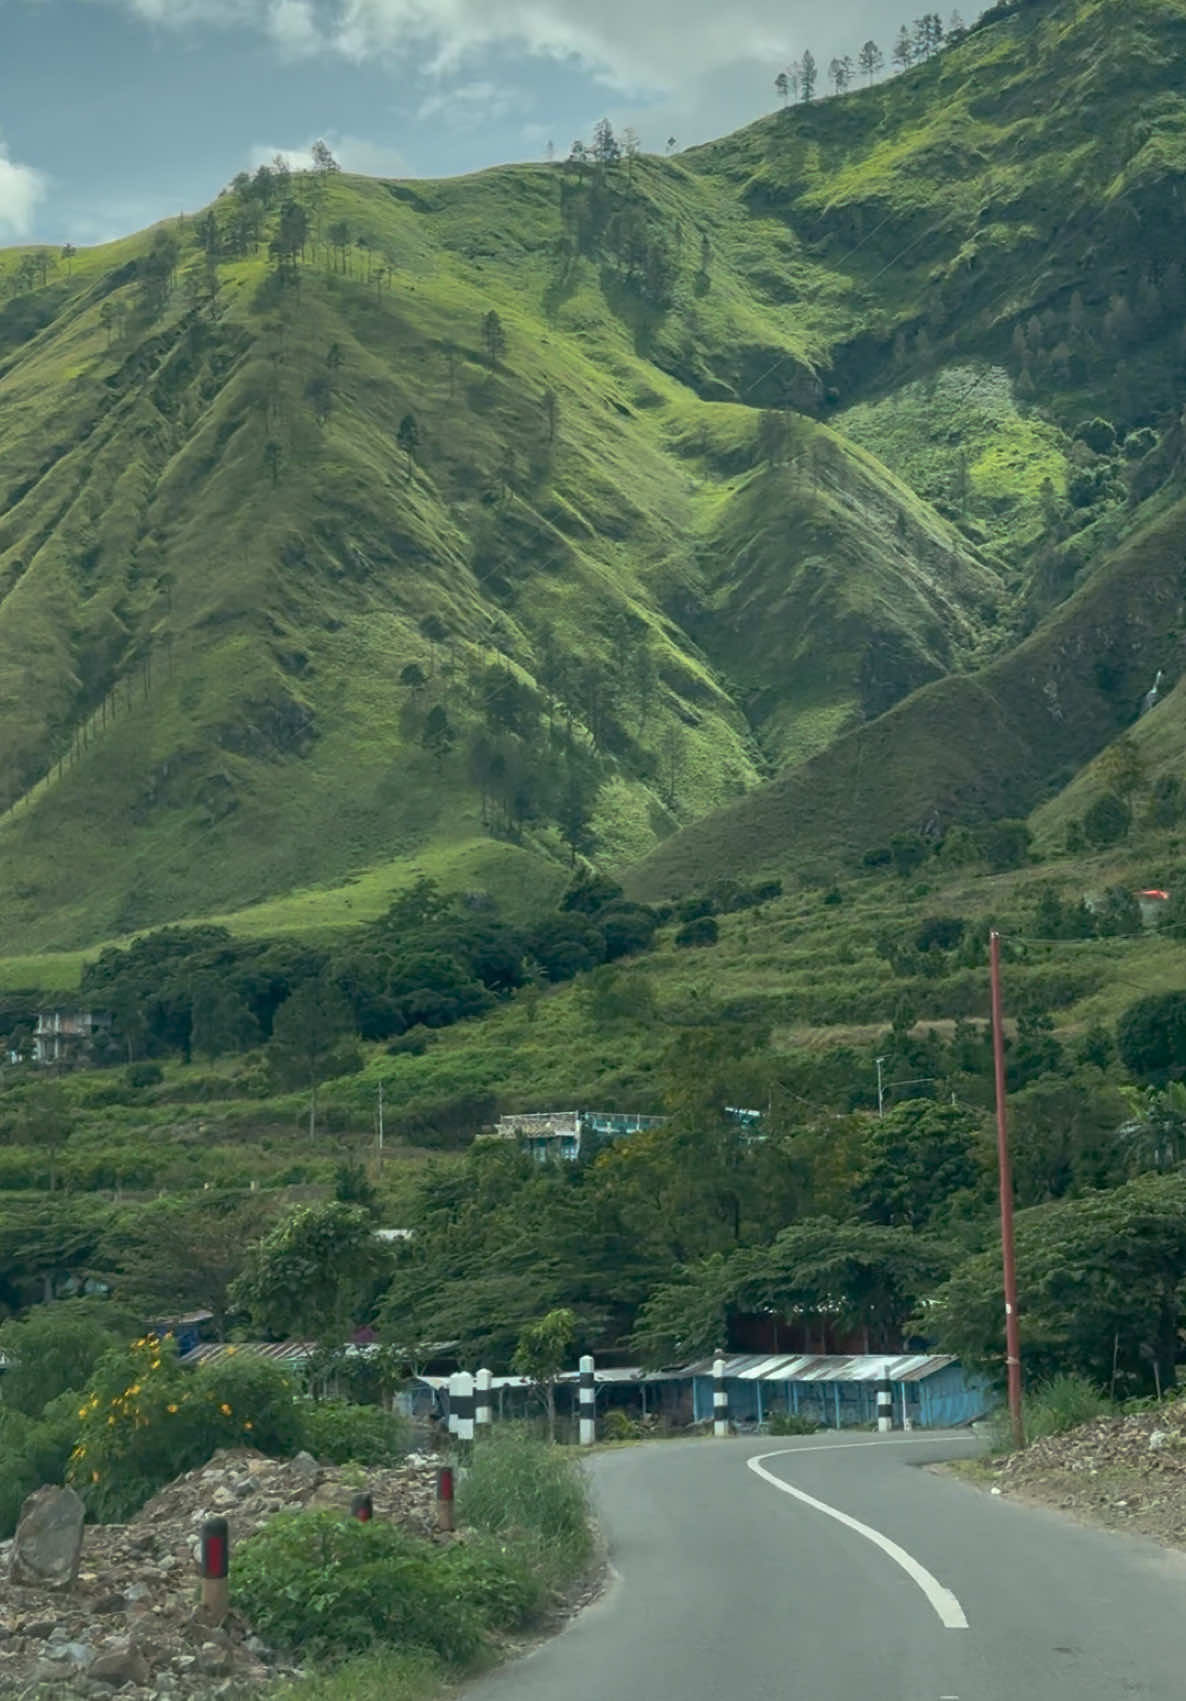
{"x": 254, "y": 644}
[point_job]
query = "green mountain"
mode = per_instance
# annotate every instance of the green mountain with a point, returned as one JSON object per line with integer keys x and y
{"x": 716, "y": 511}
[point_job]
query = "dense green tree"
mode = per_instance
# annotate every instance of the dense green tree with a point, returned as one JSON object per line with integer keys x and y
{"x": 922, "y": 1164}
{"x": 55, "y": 1348}
{"x": 314, "y": 1274}
{"x": 181, "y": 1255}
{"x": 1004, "y": 844}
{"x": 773, "y": 436}
{"x": 222, "y": 1021}
{"x": 1100, "y": 1283}
{"x": 306, "y": 1035}
{"x": 542, "y": 1353}
{"x": 1151, "y": 1035}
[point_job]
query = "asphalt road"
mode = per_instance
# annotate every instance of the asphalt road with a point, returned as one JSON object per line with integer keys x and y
{"x": 727, "y": 1587}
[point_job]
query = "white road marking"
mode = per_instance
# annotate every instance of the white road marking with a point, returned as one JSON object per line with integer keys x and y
{"x": 945, "y": 1604}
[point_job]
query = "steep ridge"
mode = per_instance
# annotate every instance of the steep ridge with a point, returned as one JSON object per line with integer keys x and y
{"x": 983, "y": 745}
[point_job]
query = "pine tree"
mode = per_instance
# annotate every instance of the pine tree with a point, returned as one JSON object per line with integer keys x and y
{"x": 903, "y": 50}
{"x": 871, "y": 61}
{"x": 808, "y": 72}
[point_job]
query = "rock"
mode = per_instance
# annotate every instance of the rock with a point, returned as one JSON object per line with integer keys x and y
{"x": 110, "y": 1603}
{"x": 305, "y": 1469}
{"x": 123, "y": 1663}
{"x": 48, "y": 1543}
{"x": 136, "y": 1591}
{"x": 1159, "y": 1440}
{"x": 76, "y": 1653}
{"x": 213, "y": 1660}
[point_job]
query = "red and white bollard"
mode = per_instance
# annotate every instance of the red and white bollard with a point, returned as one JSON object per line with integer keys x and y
{"x": 362, "y": 1507}
{"x": 216, "y": 1565}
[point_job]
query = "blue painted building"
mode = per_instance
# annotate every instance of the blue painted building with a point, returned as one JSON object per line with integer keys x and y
{"x": 930, "y": 1390}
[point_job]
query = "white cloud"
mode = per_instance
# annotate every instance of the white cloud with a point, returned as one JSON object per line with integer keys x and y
{"x": 21, "y": 188}
{"x": 634, "y": 45}
{"x": 638, "y": 47}
{"x": 292, "y": 25}
{"x": 353, "y": 153}
{"x": 466, "y": 105}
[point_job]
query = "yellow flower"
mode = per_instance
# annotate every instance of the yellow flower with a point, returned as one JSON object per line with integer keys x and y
{"x": 110, "y": 1420}
{"x": 225, "y": 1409}
{"x": 171, "y": 1408}
{"x": 231, "y": 1351}
{"x": 248, "y": 1426}
{"x": 155, "y": 1365}
{"x": 134, "y": 1389}
{"x": 94, "y": 1476}
{"x": 80, "y": 1452}
{"x": 82, "y": 1411}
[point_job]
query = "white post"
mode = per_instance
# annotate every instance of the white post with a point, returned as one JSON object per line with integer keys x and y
{"x": 464, "y": 1399}
{"x": 720, "y": 1398}
{"x": 483, "y": 1382}
{"x": 885, "y": 1407}
{"x": 588, "y": 1402}
{"x": 454, "y": 1391}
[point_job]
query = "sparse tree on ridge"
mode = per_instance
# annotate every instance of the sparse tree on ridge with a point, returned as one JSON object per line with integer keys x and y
{"x": 871, "y": 61}
{"x": 956, "y": 28}
{"x": 840, "y": 74}
{"x": 606, "y": 150}
{"x": 672, "y": 144}
{"x": 782, "y": 84}
{"x": 903, "y": 51}
{"x": 808, "y": 72}
{"x": 323, "y": 160}
{"x": 68, "y": 253}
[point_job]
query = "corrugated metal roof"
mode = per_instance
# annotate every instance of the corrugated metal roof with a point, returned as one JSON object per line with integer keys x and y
{"x": 805, "y": 1367}
{"x": 283, "y": 1352}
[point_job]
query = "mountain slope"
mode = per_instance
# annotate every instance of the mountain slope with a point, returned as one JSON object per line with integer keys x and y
{"x": 988, "y": 744}
{"x": 304, "y": 571}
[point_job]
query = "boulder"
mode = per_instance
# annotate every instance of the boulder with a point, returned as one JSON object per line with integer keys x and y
{"x": 48, "y": 1542}
{"x": 123, "y": 1663}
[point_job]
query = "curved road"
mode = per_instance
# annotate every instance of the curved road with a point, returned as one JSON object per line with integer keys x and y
{"x": 727, "y": 1586}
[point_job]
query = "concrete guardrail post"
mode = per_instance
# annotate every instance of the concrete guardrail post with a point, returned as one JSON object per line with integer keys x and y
{"x": 885, "y": 1407}
{"x": 588, "y": 1402}
{"x": 483, "y": 1407}
{"x": 720, "y": 1397}
{"x": 215, "y": 1565}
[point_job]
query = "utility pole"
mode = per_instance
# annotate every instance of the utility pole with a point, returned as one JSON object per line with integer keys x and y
{"x": 880, "y": 1089}
{"x": 1012, "y": 1337}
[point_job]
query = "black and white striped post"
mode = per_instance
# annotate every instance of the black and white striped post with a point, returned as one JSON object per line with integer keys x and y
{"x": 588, "y": 1405}
{"x": 720, "y": 1398}
{"x": 461, "y": 1402}
{"x": 483, "y": 1408}
{"x": 885, "y": 1406}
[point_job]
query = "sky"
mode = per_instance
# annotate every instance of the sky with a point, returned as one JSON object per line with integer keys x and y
{"x": 116, "y": 113}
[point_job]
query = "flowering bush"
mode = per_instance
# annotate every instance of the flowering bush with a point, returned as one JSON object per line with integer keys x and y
{"x": 144, "y": 1420}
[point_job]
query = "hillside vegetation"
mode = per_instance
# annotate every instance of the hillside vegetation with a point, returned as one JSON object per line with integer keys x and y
{"x": 351, "y": 526}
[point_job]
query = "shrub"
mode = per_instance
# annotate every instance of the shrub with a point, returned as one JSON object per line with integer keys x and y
{"x": 693, "y": 908}
{"x": 517, "y": 1484}
{"x": 144, "y": 1420}
{"x": 1098, "y": 434}
{"x": 1004, "y": 844}
{"x": 341, "y": 1434}
{"x": 791, "y": 1423}
{"x": 326, "y": 1584}
{"x": 496, "y": 1578}
{"x": 1052, "y": 1407}
{"x": 908, "y": 851}
{"x": 943, "y": 931}
{"x": 617, "y": 1425}
{"x": 1151, "y": 1034}
{"x": 144, "y": 1075}
{"x": 1108, "y": 820}
{"x": 702, "y": 931}
{"x": 879, "y": 858}
{"x": 1140, "y": 443}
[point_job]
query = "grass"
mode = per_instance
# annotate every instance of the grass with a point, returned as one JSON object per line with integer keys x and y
{"x": 388, "y": 1676}
{"x": 1051, "y": 1408}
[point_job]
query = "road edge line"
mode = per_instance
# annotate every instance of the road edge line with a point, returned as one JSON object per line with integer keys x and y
{"x": 945, "y": 1604}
